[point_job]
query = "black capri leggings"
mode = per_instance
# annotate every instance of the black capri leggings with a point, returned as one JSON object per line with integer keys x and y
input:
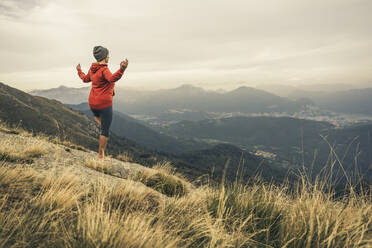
{"x": 106, "y": 118}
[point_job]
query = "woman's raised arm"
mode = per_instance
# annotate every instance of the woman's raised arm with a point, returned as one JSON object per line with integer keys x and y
{"x": 117, "y": 75}
{"x": 85, "y": 78}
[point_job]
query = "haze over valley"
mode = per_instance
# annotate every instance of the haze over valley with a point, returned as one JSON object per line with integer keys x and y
{"x": 188, "y": 102}
{"x": 286, "y": 132}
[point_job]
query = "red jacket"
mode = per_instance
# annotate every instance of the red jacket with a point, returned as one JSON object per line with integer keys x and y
{"x": 103, "y": 83}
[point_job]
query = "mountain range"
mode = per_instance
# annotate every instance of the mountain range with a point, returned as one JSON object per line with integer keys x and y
{"x": 64, "y": 94}
{"x": 337, "y": 98}
{"x": 188, "y": 102}
{"x": 188, "y": 98}
{"x": 52, "y": 118}
{"x": 73, "y": 95}
{"x": 354, "y": 101}
{"x": 293, "y": 141}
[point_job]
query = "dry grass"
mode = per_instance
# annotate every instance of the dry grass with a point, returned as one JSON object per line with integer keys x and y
{"x": 25, "y": 152}
{"x": 162, "y": 177}
{"x": 56, "y": 211}
{"x": 14, "y": 130}
{"x": 98, "y": 165}
{"x": 59, "y": 209}
{"x": 59, "y": 192}
{"x": 125, "y": 157}
{"x": 24, "y": 133}
{"x": 66, "y": 143}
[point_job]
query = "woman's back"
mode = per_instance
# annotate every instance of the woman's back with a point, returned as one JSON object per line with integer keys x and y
{"x": 103, "y": 83}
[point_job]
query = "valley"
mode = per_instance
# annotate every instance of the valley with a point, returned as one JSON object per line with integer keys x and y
{"x": 287, "y": 134}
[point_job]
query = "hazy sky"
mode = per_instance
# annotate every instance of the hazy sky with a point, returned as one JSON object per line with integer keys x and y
{"x": 212, "y": 44}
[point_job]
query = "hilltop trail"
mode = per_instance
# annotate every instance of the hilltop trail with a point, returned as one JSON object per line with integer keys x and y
{"x": 59, "y": 157}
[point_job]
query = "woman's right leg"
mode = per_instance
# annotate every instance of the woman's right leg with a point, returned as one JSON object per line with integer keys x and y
{"x": 106, "y": 119}
{"x": 102, "y": 146}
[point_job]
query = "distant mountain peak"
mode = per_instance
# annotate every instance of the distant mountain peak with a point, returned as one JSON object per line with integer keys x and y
{"x": 61, "y": 87}
{"x": 250, "y": 90}
{"x": 188, "y": 87}
{"x": 244, "y": 88}
{"x": 64, "y": 94}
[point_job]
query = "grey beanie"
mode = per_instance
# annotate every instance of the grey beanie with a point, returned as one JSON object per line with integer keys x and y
{"x": 100, "y": 53}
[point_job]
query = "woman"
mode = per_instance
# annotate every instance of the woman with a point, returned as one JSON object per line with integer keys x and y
{"x": 102, "y": 92}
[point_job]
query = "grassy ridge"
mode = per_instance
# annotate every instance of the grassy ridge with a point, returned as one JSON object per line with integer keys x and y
{"x": 57, "y": 211}
{"x": 159, "y": 208}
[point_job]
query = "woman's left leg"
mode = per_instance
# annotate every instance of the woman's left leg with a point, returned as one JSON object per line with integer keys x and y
{"x": 98, "y": 120}
{"x": 97, "y": 116}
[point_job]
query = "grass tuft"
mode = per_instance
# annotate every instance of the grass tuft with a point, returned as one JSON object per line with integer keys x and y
{"x": 98, "y": 165}
{"x": 125, "y": 157}
{"x": 163, "y": 179}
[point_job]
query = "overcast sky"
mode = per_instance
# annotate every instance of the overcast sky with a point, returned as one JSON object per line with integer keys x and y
{"x": 208, "y": 43}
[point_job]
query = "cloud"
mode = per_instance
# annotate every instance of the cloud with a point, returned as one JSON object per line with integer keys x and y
{"x": 169, "y": 42}
{"x": 18, "y": 8}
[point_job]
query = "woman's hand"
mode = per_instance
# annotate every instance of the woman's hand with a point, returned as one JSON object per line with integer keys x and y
{"x": 78, "y": 67}
{"x": 124, "y": 64}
